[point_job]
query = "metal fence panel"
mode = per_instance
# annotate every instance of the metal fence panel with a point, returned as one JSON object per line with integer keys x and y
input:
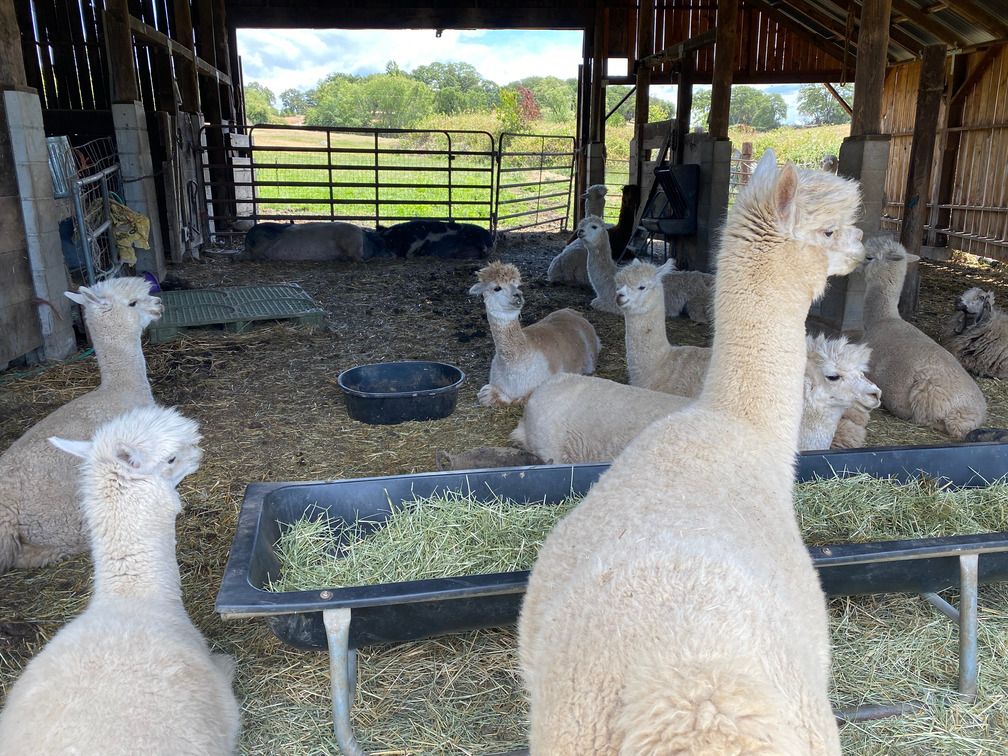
{"x": 535, "y": 175}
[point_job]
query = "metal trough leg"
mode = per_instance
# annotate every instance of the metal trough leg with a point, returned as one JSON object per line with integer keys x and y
{"x": 968, "y": 567}
{"x": 343, "y": 675}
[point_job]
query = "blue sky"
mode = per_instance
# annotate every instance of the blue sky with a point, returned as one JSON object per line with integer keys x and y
{"x": 299, "y": 58}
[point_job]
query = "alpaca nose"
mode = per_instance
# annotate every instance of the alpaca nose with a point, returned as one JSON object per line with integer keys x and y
{"x": 621, "y": 298}
{"x": 874, "y": 398}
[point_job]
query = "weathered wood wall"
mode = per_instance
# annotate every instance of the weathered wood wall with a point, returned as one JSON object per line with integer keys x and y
{"x": 970, "y": 207}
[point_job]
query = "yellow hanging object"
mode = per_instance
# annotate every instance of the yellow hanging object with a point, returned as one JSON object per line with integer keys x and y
{"x": 130, "y": 228}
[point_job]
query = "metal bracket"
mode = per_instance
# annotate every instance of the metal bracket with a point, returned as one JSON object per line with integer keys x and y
{"x": 343, "y": 677}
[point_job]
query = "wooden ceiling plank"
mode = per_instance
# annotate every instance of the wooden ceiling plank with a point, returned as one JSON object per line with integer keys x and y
{"x": 804, "y": 32}
{"x": 929, "y": 23}
{"x": 972, "y": 12}
{"x": 897, "y": 35}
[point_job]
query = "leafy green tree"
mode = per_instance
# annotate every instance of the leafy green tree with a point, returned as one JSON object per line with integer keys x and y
{"x": 335, "y": 102}
{"x": 294, "y": 102}
{"x": 820, "y": 108}
{"x": 700, "y": 110}
{"x": 259, "y": 106}
{"x": 749, "y": 106}
{"x": 625, "y": 112}
{"x": 389, "y": 100}
{"x": 555, "y": 97}
{"x": 457, "y": 87}
{"x": 509, "y": 111}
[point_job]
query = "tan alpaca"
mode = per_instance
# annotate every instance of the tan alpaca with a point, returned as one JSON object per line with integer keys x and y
{"x": 40, "y": 520}
{"x": 920, "y": 381}
{"x": 676, "y": 609}
{"x": 562, "y": 342}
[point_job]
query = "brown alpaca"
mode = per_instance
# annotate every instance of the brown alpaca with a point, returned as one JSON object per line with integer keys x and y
{"x": 562, "y": 342}
{"x": 676, "y": 609}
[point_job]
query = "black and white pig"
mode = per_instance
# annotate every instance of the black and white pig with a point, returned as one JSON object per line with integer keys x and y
{"x": 313, "y": 242}
{"x": 431, "y": 238}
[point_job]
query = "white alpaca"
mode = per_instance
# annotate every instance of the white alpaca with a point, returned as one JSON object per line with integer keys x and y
{"x": 920, "y": 381}
{"x": 690, "y": 292}
{"x": 131, "y": 674}
{"x": 979, "y": 334}
{"x": 601, "y": 267}
{"x": 576, "y": 418}
{"x": 652, "y": 362}
{"x": 676, "y": 609}
{"x": 570, "y": 266}
{"x": 562, "y": 342}
{"x": 39, "y": 514}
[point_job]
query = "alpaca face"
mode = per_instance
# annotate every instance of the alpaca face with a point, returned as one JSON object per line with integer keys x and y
{"x": 835, "y": 374}
{"x": 639, "y": 286}
{"x": 591, "y": 231}
{"x": 886, "y": 262}
{"x": 596, "y": 192}
{"x": 974, "y": 301}
{"x": 118, "y": 306}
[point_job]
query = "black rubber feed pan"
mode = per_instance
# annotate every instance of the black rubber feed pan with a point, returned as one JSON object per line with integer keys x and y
{"x": 386, "y": 393}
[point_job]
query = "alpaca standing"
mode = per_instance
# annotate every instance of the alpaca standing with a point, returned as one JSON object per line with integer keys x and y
{"x": 39, "y": 514}
{"x": 601, "y": 267}
{"x": 131, "y": 674}
{"x": 676, "y": 609}
{"x": 562, "y": 342}
{"x": 594, "y": 198}
{"x": 920, "y": 381}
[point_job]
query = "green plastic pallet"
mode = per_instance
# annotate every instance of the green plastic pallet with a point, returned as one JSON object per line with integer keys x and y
{"x": 234, "y": 307}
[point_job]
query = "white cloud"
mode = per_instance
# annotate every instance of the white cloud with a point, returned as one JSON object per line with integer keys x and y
{"x": 284, "y": 58}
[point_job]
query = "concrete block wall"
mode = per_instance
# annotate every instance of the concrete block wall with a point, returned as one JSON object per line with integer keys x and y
{"x": 40, "y": 215}
{"x": 714, "y": 158}
{"x": 133, "y": 145}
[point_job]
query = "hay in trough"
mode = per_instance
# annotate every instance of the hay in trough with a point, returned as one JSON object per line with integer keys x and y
{"x": 454, "y": 534}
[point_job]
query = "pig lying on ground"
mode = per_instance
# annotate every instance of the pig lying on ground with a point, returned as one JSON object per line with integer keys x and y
{"x": 313, "y": 241}
{"x": 446, "y": 240}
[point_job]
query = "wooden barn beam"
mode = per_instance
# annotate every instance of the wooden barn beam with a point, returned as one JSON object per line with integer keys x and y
{"x": 930, "y": 86}
{"x": 680, "y": 51}
{"x": 839, "y": 98}
{"x": 684, "y": 105}
{"x": 839, "y": 28}
{"x": 989, "y": 56}
{"x": 152, "y": 36}
{"x": 929, "y": 23}
{"x": 724, "y": 67}
{"x": 223, "y": 58}
{"x": 642, "y": 95}
{"x": 949, "y": 150}
{"x": 12, "y": 67}
{"x": 869, "y": 74}
{"x": 119, "y": 52}
{"x": 778, "y": 15}
{"x": 973, "y": 12}
{"x": 188, "y": 80}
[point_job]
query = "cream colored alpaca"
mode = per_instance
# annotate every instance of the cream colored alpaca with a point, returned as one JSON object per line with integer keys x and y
{"x": 601, "y": 267}
{"x": 835, "y": 383}
{"x": 571, "y": 265}
{"x": 562, "y": 342}
{"x": 40, "y": 519}
{"x": 594, "y": 198}
{"x": 131, "y": 674}
{"x": 676, "y": 609}
{"x": 920, "y": 381}
{"x": 979, "y": 334}
{"x": 652, "y": 362}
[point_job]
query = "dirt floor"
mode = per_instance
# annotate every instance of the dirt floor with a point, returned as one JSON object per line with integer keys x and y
{"x": 270, "y": 410}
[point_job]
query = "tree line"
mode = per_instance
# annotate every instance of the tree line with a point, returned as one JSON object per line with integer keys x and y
{"x": 399, "y": 99}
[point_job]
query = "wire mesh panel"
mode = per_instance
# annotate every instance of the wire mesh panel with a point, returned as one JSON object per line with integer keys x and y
{"x": 534, "y": 178}
{"x": 369, "y": 176}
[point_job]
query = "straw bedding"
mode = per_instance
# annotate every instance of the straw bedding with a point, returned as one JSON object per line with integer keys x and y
{"x": 270, "y": 409}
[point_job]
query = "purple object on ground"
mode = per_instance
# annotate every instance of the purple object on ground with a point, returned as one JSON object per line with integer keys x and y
{"x": 155, "y": 287}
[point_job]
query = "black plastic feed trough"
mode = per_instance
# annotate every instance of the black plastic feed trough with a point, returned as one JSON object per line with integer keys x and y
{"x": 407, "y": 611}
{"x": 386, "y": 393}
{"x": 343, "y": 619}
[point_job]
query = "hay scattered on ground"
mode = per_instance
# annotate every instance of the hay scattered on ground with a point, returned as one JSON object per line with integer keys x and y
{"x": 270, "y": 410}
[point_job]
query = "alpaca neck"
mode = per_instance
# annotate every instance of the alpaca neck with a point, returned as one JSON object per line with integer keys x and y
{"x": 881, "y": 300}
{"x": 646, "y": 342}
{"x": 122, "y": 365}
{"x": 602, "y": 270}
{"x": 508, "y": 337}
{"x": 134, "y": 559}
{"x": 818, "y": 426}
{"x": 759, "y": 352}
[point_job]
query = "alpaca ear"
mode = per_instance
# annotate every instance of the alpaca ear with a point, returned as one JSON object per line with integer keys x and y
{"x": 767, "y": 165}
{"x": 667, "y": 267}
{"x": 477, "y": 289}
{"x": 76, "y": 448}
{"x": 130, "y": 456}
{"x": 785, "y": 191}
{"x": 912, "y": 258}
{"x": 84, "y": 296}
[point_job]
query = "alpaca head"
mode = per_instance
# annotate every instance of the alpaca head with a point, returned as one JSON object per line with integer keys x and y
{"x": 885, "y": 264}
{"x": 500, "y": 286}
{"x": 830, "y": 163}
{"x": 812, "y": 212}
{"x": 974, "y": 302}
{"x": 596, "y": 192}
{"x": 118, "y": 307}
{"x": 592, "y": 231}
{"x": 835, "y": 374}
{"x": 639, "y": 286}
{"x": 145, "y": 443}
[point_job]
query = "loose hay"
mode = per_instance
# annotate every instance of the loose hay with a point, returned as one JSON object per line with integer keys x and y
{"x": 270, "y": 410}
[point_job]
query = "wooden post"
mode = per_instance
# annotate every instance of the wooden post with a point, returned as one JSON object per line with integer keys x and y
{"x": 12, "y": 68}
{"x": 223, "y": 58}
{"x": 642, "y": 95}
{"x": 119, "y": 47}
{"x": 684, "y": 104}
{"x": 929, "y": 91}
{"x": 724, "y": 65}
{"x": 869, "y": 75}
{"x": 188, "y": 82}
{"x": 597, "y": 111}
{"x": 951, "y": 137}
